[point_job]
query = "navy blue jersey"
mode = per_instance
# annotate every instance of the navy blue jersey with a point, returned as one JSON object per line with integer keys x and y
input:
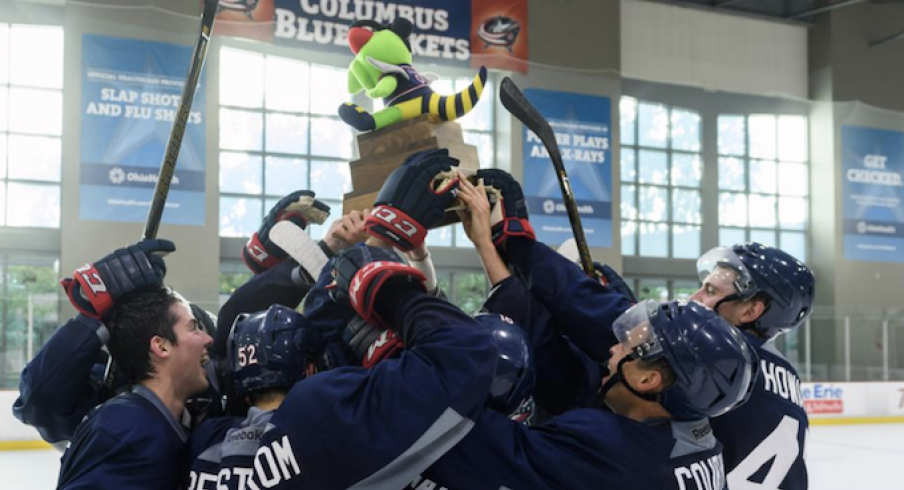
{"x": 581, "y": 307}
{"x": 353, "y": 427}
{"x": 274, "y": 286}
{"x": 566, "y": 377}
{"x": 764, "y": 439}
{"x": 410, "y": 85}
{"x": 582, "y": 449}
{"x": 221, "y": 451}
{"x": 62, "y": 383}
{"x": 131, "y": 441}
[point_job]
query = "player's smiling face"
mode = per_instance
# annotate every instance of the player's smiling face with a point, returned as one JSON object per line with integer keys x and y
{"x": 189, "y": 353}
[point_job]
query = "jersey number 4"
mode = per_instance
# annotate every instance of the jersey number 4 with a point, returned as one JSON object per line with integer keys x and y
{"x": 782, "y": 445}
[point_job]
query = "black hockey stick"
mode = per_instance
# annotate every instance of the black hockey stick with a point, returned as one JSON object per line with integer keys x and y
{"x": 173, "y": 145}
{"x": 517, "y": 104}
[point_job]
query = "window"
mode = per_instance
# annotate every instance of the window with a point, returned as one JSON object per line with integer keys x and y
{"x": 662, "y": 290}
{"x": 763, "y": 181}
{"x": 29, "y": 300}
{"x": 661, "y": 172}
{"x": 31, "y": 121}
{"x": 279, "y": 132}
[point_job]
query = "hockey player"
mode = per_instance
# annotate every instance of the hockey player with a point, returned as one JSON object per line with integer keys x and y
{"x": 65, "y": 380}
{"x": 391, "y": 420}
{"x": 277, "y": 277}
{"x": 286, "y": 347}
{"x": 157, "y": 346}
{"x": 764, "y": 292}
{"x": 671, "y": 367}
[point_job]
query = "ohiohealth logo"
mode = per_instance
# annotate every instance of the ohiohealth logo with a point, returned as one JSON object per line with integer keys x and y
{"x": 549, "y": 207}
{"x": 117, "y": 176}
{"x": 861, "y": 227}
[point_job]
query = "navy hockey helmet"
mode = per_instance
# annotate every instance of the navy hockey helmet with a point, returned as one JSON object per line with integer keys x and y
{"x": 757, "y": 268}
{"x": 714, "y": 366}
{"x": 515, "y": 374}
{"x": 263, "y": 352}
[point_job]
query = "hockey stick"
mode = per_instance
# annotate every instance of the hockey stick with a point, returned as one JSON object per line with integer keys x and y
{"x": 300, "y": 246}
{"x": 517, "y": 104}
{"x": 174, "y": 143}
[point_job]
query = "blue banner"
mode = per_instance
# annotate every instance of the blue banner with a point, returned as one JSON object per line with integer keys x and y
{"x": 873, "y": 176}
{"x": 581, "y": 124}
{"x": 131, "y": 91}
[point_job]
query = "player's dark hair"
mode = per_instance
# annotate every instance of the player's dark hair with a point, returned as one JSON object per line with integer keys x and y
{"x": 665, "y": 370}
{"x": 267, "y": 395}
{"x": 133, "y": 322}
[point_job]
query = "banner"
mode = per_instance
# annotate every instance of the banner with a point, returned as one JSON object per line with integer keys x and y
{"x": 581, "y": 124}
{"x": 130, "y": 94}
{"x": 455, "y": 32}
{"x": 873, "y": 192}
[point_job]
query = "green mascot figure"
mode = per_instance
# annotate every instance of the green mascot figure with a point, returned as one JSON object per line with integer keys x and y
{"x": 382, "y": 68}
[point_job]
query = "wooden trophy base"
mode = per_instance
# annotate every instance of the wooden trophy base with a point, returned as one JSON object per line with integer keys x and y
{"x": 383, "y": 151}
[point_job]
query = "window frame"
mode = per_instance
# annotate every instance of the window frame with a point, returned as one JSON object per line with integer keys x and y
{"x": 8, "y": 132}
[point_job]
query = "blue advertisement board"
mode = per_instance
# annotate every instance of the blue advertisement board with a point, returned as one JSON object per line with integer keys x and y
{"x": 130, "y": 94}
{"x": 582, "y": 127}
{"x": 873, "y": 177}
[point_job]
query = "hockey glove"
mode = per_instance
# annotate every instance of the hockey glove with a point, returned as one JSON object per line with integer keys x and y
{"x": 299, "y": 207}
{"x": 614, "y": 282}
{"x": 414, "y": 199}
{"x": 361, "y": 272}
{"x": 94, "y": 288}
{"x": 508, "y": 215}
{"x": 370, "y": 344}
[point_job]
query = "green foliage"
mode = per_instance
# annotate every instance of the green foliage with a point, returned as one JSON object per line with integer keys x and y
{"x": 470, "y": 292}
{"x": 230, "y": 281}
{"x": 23, "y": 285}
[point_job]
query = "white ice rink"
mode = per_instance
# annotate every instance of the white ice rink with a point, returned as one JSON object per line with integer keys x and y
{"x": 845, "y": 457}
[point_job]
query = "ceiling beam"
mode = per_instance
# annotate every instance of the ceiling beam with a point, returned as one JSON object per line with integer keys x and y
{"x": 886, "y": 40}
{"x": 827, "y": 8}
{"x": 729, "y": 11}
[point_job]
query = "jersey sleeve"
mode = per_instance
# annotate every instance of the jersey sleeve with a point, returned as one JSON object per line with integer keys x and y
{"x": 566, "y": 376}
{"x": 379, "y": 428}
{"x": 581, "y": 306}
{"x": 56, "y": 389}
{"x": 573, "y": 451}
{"x": 273, "y": 286}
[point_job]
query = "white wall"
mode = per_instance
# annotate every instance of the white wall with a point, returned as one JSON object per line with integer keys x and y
{"x": 10, "y": 428}
{"x": 713, "y": 51}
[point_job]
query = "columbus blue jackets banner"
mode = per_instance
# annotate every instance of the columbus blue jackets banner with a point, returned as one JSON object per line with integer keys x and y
{"x": 130, "y": 94}
{"x": 457, "y": 32}
{"x": 581, "y": 124}
{"x": 873, "y": 176}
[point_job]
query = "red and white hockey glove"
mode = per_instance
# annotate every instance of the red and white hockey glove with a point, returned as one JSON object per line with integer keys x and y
{"x": 414, "y": 199}
{"x": 299, "y": 207}
{"x": 371, "y": 344}
{"x": 362, "y": 272}
{"x": 94, "y": 288}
